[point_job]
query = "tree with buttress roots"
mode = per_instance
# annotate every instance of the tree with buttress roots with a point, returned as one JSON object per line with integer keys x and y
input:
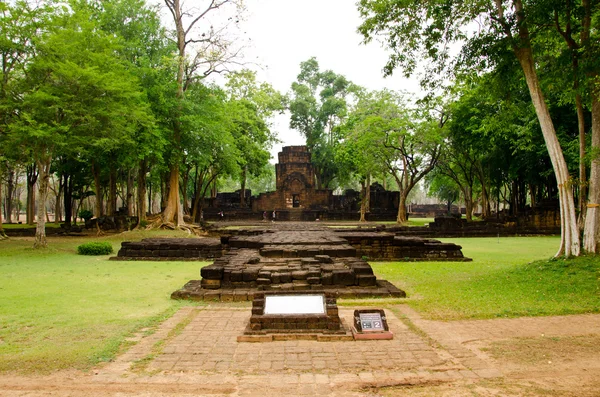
{"x": 486, "y": 31}
{"x": 203, "y": 48}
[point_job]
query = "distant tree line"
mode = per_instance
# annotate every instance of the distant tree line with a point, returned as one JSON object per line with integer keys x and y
{"x": 98, "y": 98}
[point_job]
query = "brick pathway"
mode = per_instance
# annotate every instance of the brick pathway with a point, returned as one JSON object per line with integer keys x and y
{"x": 205, "y": 350}
{"x": 195, "y": 353}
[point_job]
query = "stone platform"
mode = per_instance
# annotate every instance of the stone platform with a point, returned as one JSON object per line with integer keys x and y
{"x": 382, "y": 246}
{"x": 290, "y": 257}
{"x": 193, "y": 290}
{"x": 170, "y": 249}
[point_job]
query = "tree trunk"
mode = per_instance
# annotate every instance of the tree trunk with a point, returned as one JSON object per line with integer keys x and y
{"x": 2, "y": 233}
{"x": 68, "y": 197}
{"x": 98, "y": 208}
{"x": 570, "y": 242}
{"x": 591, "y": 233}
{"x": 44, "y": 177}
{"x": 149, "y": 187}
{"x": 111, "y": 205}
{"x": 197, "y": 215}
{"x": 368, "y": 202}
{"x": 485, "y": 198}
{"x": 401, "y": 218}
{"x": 469, "y": 209}
{"x": 32, "y": 176}
{"x": 129, "y": 195}
{"x": 532, "y": 195}
{"x": 468, "y": 197}
{"x": 171, "y": 213}
{"x": 184, "y": 187}
{"x": 58, "y": 205}
{"x": 8, "y": 202}
{"x": 363, "y": 201}
{"x": 141, "y": 198}
{"x": 243, "y": 187}
{"x": 582, "y": 169}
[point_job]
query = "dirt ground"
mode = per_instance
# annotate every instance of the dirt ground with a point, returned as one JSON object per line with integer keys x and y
{"x": 196, "y": 353}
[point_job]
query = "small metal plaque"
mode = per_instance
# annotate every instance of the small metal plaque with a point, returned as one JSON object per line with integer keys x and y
{"x": 294, "y": 304}
{"x": 370, "y": 321}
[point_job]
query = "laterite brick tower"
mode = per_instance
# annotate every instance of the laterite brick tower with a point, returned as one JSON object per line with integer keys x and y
{"x": 295, "y": 179}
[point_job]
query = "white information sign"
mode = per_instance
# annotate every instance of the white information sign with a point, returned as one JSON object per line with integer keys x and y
{"x": 294, "y": 304}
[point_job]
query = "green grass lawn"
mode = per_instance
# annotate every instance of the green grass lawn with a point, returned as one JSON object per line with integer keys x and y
{"x": 26, "y": 226}
{"x": 419, "y": 221}
{"x": 508, "y": 277}
{"x": 63, "y": 310}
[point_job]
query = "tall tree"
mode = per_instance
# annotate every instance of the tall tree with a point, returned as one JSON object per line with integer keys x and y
{"x": 318, "y": 104}
{"x": 400, "y": 141}
{"x": 20, "y": 22}
{"x": 78, "y": 96}
{"x": 251, "y": 107}
{"x": 426, "y": 29}
{"x": 202, "y": 50}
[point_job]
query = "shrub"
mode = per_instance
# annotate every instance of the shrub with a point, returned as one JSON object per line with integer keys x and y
{"x": 86, "y": 215}
{"x": 143, "y": 223}
{"x": 95, "y": 248}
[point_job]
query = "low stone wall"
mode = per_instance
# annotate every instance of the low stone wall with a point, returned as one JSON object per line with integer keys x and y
{"x": 389, "y": 247}
{"x": 169, "y": 249}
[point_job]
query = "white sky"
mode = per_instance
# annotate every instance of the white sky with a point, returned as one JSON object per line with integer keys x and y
{"x": 285, "y": 33}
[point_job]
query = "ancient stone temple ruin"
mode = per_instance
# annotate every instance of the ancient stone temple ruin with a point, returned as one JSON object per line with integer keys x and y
{"x": 295, "y": 189}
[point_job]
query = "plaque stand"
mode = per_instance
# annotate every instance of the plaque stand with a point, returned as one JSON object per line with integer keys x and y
{"x": 295, "y": 315}
{"x": 371, "y": 325}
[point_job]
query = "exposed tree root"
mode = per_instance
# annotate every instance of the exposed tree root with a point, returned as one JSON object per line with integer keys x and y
{"x": 3, "y": 236}
{"x": 99, "y": 233}
{"x": 156, "y": 222}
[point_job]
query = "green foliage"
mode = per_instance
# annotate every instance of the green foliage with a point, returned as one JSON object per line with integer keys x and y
{"x": 95, "y": 248}
{"x": 319, "y": 104}
{"x": 86, "y": 215}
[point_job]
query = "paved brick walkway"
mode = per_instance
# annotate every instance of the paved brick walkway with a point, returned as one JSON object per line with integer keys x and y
{"x": 195, "y": 353}
{"x": 205, "y": 350}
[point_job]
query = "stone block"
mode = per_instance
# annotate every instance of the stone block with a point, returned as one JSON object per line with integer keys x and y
{"x": 313, "y": 280}
{"x": 299, "y": 275}
{"x": 300, "y": 286}
{"x": 212, "y": 296}
{"x": 324, "y": 258}
{"x": 240, "y": 295}
{"x": 212, "y": 272}
{"x": 236, "y": 276}
{"x": 227, "y": 296}
{"x": 343, "y": 277}
{"x": 361, "y": 268}
{"x": 275, "y": 278}
{"x": 210, "y": 284}
{"x": 366, "y": 280}
{"x": 250, "y": 274}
